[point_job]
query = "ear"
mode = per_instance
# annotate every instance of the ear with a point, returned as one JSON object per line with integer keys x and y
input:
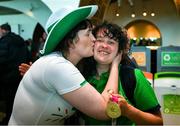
{"x": 71, "y": 44}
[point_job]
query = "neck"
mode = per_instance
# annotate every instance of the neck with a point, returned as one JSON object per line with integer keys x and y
{"x": 73, "y": 58}
{"x": 101, "y": 68}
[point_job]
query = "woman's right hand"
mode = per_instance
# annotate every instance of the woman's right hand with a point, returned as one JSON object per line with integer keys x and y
{"x": 23, "y": 68}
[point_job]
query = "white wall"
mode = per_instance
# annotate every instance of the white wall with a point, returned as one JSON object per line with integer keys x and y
{"x": 34, "y": 11}
{"x": 20, "y": 24}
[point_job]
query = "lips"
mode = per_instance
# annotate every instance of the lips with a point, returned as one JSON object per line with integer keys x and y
{"x": 103, "y": 52}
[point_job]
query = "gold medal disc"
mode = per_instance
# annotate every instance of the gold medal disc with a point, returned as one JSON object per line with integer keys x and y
{"x": 113, "y": 110}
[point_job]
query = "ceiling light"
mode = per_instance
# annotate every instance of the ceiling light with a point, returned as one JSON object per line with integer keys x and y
{"x": 133, "y": 15}
{"x": 144, "y": 14}
{"x": 152, "y": 14}
{"x": 117, "y": 14}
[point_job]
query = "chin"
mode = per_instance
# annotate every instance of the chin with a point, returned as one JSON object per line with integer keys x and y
{"x": 104, "y": 61}
{"x": 91, "y": 54}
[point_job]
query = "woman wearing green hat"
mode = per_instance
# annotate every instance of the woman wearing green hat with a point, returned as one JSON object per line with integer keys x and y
{"x": 53, "y": 86}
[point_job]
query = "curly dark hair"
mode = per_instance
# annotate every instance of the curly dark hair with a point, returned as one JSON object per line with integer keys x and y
{"x": 111, "y": 31}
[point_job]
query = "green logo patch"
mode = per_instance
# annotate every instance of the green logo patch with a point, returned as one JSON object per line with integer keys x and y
{"x": 171, "y": 104}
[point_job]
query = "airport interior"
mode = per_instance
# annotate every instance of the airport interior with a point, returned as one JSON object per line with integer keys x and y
{"x": 153, "y": 27}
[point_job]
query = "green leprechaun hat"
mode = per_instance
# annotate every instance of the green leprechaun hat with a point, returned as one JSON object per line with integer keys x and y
{"x": 62, "y": 21}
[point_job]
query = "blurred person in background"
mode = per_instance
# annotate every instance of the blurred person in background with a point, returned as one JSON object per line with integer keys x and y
{"x": 13, "y": 52}
{"x": 132, "y": 62}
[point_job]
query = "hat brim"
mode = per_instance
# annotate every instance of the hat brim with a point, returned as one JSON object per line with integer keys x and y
{"x": 62, "y": 27}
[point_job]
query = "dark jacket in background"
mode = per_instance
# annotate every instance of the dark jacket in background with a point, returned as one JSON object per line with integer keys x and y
{"x": 13, "y": 52}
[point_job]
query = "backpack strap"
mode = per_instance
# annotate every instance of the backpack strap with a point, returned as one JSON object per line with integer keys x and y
{"x": 128, "y": 81}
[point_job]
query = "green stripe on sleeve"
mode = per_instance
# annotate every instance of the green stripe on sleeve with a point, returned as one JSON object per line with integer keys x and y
{"x": 83, "y": 83}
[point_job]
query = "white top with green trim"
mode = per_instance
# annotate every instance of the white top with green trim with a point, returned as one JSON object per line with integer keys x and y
{"x": 38, "y": 99}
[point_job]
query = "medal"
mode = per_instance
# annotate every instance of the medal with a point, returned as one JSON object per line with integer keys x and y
{"x": 113, "y": 110}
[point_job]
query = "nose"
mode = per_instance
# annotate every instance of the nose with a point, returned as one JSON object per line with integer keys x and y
{"x": 104, "y": 44}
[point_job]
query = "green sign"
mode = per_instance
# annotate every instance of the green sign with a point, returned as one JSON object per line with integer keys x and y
{"x": 171, "y": 104}
{"x": 170, "y": 59}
